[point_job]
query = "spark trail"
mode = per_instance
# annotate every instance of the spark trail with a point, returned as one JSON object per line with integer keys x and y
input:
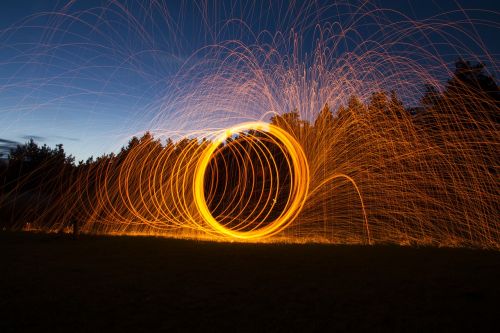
{"x": 275, "y": 143}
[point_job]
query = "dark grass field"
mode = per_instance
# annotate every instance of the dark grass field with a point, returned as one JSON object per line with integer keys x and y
{"x": 51, "y": 283}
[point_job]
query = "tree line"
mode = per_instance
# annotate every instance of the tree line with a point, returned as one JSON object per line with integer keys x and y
{"x": 42, "y": 186}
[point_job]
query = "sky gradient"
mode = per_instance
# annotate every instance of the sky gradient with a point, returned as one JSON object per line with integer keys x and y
{"x": 91, "y": 74}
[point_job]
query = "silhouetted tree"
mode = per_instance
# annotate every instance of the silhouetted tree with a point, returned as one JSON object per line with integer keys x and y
{"x": 325, "y": 119}
{"x": 472, "y": 77}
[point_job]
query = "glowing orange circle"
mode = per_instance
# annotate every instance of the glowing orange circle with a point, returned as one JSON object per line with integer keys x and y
{"x": 299, "y": 182}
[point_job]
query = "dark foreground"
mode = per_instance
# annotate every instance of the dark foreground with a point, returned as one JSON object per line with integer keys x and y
{"x": 150, "y": 284}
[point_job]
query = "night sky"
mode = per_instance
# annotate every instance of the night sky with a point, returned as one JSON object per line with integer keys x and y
{"x": 89, "y": 74}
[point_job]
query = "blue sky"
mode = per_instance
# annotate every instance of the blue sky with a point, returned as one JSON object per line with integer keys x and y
{"x": 91, "y": 74}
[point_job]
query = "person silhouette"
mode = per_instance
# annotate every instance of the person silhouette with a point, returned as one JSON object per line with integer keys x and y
{"x": 76, "y": 229}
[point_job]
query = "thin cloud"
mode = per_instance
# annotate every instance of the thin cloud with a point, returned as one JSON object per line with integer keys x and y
{"x": 6, "y": 145}
{"x": 39, "y": 138}
{"x": 6, "y": 142}
{"x": 34, "y": 137}
{"x": 66, "y": 138}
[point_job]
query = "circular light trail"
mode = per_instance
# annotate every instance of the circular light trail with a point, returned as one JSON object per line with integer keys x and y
{"x": 299, "y": 181}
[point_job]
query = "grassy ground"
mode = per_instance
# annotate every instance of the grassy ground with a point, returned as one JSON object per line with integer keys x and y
{"x": 150, "y": 284}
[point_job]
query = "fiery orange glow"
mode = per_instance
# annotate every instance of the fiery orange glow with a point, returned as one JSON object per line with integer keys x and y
{"x": 299, "y": 183}
{"x": 365, "y": 171}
